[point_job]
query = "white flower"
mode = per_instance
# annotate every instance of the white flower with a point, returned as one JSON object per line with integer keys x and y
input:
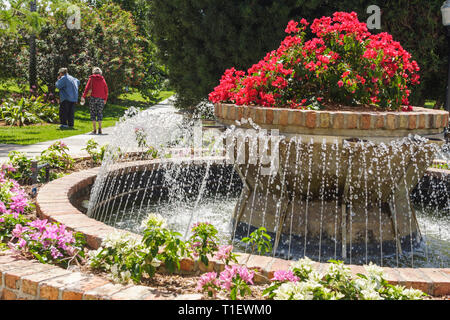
{"x": 155, "y": 263}
{"x": 370, "y": 295}
{"x": 154, "y": 219}
{"x": 126, "y": 276}
{"x": 305, "y": 264}
{"x": 286, "y": 291}
{"x": 374, "y": 272}
{"x": 413, "y": 294}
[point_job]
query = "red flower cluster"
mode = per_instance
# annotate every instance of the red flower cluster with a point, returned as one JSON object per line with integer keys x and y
{"x": 344, "y": 63}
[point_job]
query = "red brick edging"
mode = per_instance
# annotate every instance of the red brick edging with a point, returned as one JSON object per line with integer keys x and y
{"x": 420, "y": 119}
{"x": 21, "y": 279}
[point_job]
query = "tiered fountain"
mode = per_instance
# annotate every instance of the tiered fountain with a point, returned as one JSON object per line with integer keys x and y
{"x": 326, "y": 183}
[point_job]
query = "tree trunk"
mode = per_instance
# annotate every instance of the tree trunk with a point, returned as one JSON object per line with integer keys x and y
{"x": 32, "y": 67}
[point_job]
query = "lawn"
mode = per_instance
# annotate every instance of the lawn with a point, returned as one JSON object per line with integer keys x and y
{"x": 39, "y": 133}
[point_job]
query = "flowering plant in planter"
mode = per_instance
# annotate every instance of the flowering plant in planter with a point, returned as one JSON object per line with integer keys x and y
{"x": 342, "y": 63}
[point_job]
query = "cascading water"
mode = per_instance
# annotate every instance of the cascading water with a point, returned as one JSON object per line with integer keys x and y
{"x": 324, "y": 198}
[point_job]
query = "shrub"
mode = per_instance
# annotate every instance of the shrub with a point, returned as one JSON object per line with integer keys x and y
{"x": 127, "y": 259}
{"x": 204, "y": 241}
{"x": 342, "y": 64}
{"x": 96, "y": 152}
{"x": 28, "y": 110}
{"x": 48, "y": 242}
{"x": 123, "y": 257}
{"x": 234, "y": 280}
{"x": 198, "y": 40}
{"x": 56, "y": 156}
{"x": 163, "y": 244}
{"x": 259, "y": 241}
{"x": 18, "y": 167}
{"x": 301, "y": 282}
{"x": 107, "y": 39}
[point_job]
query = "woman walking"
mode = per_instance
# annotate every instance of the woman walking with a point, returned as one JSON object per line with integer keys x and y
{"x": 97, "y": 90}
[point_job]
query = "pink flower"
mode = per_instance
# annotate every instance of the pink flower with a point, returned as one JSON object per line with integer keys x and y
{"x": 224, "y": 252}
{"x": 19, "y": 230}
{"x": 38, "y": 224}
{"x": 2, "y": 207}
{"x": 228, "y": 275}
{"x": 292, "y": 27}
{"x": 55, "y": 253}
{"x": 22, "y": 243}
{"x": 283, "y": 276}
{"x": 207, "y": 281}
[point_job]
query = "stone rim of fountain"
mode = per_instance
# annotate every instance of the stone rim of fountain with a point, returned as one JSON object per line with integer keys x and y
{"x": 53, "y": 202}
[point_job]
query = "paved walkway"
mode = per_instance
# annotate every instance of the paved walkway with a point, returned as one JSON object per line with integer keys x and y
{"x": 75, "y": 143}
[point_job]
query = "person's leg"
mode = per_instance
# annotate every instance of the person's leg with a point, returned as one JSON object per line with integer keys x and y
{"x": 62, "y": 113}
{"x": 92, "y": 113}
{"x": 71, "y": 114}
{"x": 101, "y": 105}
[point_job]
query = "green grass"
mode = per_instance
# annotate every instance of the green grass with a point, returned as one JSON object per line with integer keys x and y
{"x": 45, "y": 132}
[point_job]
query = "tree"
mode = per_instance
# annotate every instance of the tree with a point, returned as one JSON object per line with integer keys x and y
{"x": 107, "y": 39}
{"x": 199, "y": 39}
{"x": 154, "y": 73}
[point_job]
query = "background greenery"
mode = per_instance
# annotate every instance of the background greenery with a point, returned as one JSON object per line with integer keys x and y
{"x": 199, "y": 39}
{"x": 45, "y": 132}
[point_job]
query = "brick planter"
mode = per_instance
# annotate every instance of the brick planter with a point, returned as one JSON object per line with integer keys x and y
{"x": 372, "y": 124}
{"x": 53, "y": 202}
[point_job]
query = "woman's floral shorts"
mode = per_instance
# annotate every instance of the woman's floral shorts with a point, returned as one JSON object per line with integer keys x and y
{"x": 96, "y": 108}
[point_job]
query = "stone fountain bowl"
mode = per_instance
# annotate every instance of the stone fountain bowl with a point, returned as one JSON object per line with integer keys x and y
{"x": 345, "y": 177}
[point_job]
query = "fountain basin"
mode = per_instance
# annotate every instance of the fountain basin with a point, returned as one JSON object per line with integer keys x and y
{"x": 59, "y": 201}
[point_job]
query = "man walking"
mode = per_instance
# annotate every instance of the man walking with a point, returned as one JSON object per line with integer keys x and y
{"x": 68, "y": 96}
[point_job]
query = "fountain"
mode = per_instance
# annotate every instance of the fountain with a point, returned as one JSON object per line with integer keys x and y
{"x": 341, "y": 197}
{"x": 327, "y": 181}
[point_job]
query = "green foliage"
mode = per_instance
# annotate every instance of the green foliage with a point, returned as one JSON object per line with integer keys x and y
{"x": 441, "y": 165}
{"x": 198, "y": 39}
{"x": 259, "y": 241}
{"x": 204, "y": 241}
{"x": 96, "y": 152}
{"x": 146, "y": 149}
{"x": 127, "y": 259}
{"x": 25, "y": 111}
{"x": 57, "y": 157}
{"x": 107, "y": 39}
{"x": 22, "y": 167}
{"x": 337, "y": 283}
{"x": 18, "y": 15}
{"x": 163, "y": 244}
{"x": 9, "y": 223}
{"x": 123, "y": 257}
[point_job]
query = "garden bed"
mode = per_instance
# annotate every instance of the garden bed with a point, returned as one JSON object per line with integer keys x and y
{"x": 53, "y": 202}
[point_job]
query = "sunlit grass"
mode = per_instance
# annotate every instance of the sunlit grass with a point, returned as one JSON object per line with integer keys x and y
{"x": 45, "y": 132}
